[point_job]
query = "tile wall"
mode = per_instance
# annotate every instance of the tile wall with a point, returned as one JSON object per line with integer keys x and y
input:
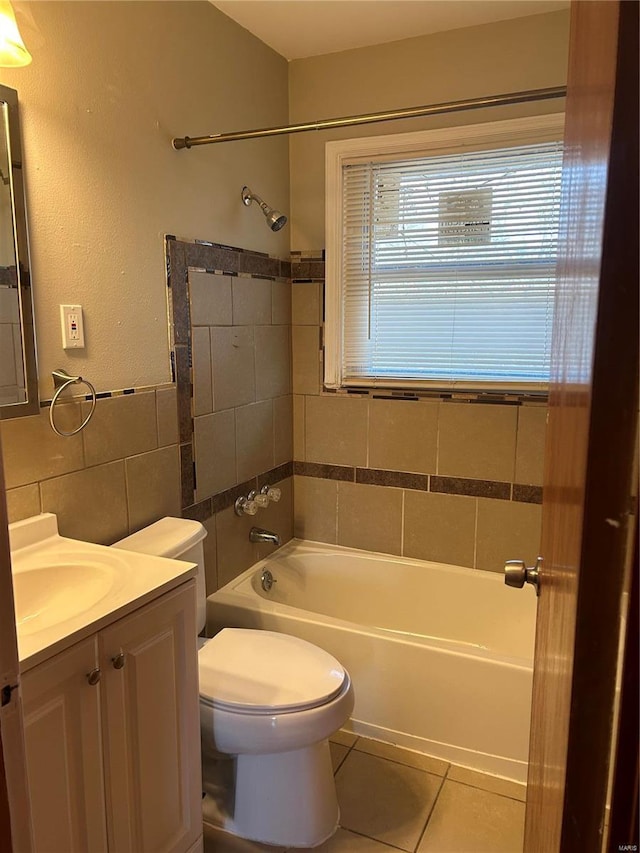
{"x": 117, "y": 475}
{"x": 446, "y": 478}
{"x": 452, "y": 480}
{"x": 12, "y": 382}
{"x": 231, "y": 334}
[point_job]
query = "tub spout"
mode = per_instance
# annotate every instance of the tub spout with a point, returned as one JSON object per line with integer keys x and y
{"x": 257, "y": 534}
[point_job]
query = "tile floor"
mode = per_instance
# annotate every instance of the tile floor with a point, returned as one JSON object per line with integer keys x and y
{"x": 397, "y": 799}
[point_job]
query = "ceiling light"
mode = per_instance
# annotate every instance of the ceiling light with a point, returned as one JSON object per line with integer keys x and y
{"x": 13, "y": 53}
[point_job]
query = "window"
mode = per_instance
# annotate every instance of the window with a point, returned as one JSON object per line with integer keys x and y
{"x": 441, "y": 256}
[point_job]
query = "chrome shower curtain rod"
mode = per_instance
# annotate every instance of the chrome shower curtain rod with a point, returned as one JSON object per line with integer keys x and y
{"x": 370, "y": 118}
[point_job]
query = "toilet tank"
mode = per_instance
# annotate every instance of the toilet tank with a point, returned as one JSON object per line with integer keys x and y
{"x": 177, "y": 539}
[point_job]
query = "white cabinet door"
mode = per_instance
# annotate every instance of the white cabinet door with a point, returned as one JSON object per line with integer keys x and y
{"x": 64, "y": 752}
{"x": 151, "y": 727}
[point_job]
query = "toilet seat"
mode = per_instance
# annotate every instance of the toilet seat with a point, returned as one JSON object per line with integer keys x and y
{"x": 264, "y": 672}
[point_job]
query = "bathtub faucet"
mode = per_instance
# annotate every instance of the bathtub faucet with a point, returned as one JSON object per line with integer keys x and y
{"x": 257, "y": 534}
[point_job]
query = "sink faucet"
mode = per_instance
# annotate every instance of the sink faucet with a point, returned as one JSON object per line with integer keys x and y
{"x": 257, "y": 534}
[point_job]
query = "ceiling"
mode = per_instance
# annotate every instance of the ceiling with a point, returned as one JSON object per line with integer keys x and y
{"x": 301, "y": 28}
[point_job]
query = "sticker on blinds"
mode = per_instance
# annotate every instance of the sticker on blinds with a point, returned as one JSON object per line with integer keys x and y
{"x": 465, "y": 217}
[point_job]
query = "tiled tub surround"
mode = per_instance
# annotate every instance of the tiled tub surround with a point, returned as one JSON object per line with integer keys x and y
{"x": 117, "y": 475}
{"x": 231, "y": 340}
{"x": 452, "y": 478}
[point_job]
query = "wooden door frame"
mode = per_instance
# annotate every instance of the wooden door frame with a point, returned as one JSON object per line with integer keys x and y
{"x": 608, "y": 510}
{"x": 623, "y": 825}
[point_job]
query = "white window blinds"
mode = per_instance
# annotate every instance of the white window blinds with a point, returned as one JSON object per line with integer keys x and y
{"x": 448, "y": 267}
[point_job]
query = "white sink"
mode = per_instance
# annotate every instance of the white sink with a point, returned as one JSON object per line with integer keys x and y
{"x": 42, "y": 594}
{"x": 65, "y": 589}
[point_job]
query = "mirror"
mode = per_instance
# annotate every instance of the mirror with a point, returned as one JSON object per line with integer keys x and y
{"x": 18, "y": 375}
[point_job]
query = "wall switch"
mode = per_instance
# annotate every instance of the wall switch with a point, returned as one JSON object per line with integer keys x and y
{"x": 72, "y": 326}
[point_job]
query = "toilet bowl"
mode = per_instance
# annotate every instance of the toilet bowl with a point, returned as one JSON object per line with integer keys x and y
{"x": 268, "y": 704}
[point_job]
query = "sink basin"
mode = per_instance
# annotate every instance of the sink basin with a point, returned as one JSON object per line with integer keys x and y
{"x": 46, "y": 595}
{"x": 65, "y": 589}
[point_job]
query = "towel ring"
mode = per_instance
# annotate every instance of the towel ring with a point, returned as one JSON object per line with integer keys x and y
{"x": 62, "y": 380}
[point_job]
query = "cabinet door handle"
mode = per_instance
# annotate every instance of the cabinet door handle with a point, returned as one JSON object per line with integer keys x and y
{"x": 93, "y": 677}
{"x": 118, "y": 661}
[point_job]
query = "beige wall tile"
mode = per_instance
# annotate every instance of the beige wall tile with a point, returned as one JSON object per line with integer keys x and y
{"x": 273, "y": 361}
{"x": 370, "y": 517}
{"x": 532, "y": 423}
{"x": 232, "y": 356}
{"x": 507, "y": 530}
{"x": 277, "y": 517}
{"x": 282, "y": 430}
{"x": 403, "y": 435}
{"x": 315, "y": 509}
{"x": 210, "y": 299}
{"x": 306, "y": 304}
{"x": 235, "y": 552}
{"x": 439, "y": 527}
{"x": 23, "y": 502}
{"x": 477, "y": 441}
{"x": 32, "y": 451}
{"x": 336, "y": 430}
{"x": 9, "y": 306}
{"x": 121, "y": 426}
{"x": 201, "y": 353}
{"x": 254, "y": 439}
{"x": 91, "y": 504}
{"x": 281, "y": 303}
{"x": 306, "y": 359}
{"x": 210, "y": 556}
{"x": 215, "y": 453}
{"x": 7, "y": 356}
{"x": 298, "y": 427}
{"x": 153, "y": 486}
{"x": 251, "y": 301}
{"x": 167, "y": 414}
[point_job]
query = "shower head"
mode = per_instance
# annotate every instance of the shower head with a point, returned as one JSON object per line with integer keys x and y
{"x": 275, "y": 219}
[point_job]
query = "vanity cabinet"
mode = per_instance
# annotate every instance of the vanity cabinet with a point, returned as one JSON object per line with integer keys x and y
{"x": 113, "y": 738}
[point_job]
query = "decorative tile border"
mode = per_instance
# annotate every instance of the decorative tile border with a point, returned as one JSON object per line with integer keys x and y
{"x": 216, "y": 259}
{"x": 396, "y": 479}
{"x": 422, "y": 482}
{"x": 103, "y": 395}
{"x": 307, "y": 270}
{"x": 472, "y": 488}
{"x": 324, "y": 472}
{"x": 9, "y": 277}
{"x": 206, "y": 509}
{"x": 527, "y": 494}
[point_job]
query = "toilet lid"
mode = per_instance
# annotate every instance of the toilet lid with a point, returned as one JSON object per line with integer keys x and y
{"x": 264, "y": 671}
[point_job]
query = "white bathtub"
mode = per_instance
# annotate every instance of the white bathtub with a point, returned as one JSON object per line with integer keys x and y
{"x": 441, "y": 657}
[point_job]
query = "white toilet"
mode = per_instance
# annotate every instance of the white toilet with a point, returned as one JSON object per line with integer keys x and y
{"x": 268, "y": 704}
